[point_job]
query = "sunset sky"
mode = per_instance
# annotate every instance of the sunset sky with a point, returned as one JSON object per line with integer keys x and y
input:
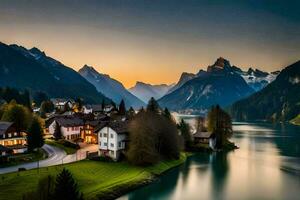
{"x": 155, "y": 41}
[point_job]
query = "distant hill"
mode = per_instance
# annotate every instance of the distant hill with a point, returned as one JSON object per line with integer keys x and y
{"x": 280, "y": 100}
{"x": 110, "y": 87}
{"x": 145, "y": 91}
{"x": 32, "y": 69}
{"x": 218, "y": 85}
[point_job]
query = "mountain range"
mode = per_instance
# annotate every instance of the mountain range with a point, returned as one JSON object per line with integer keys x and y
{"x": 110, "y": 87}
{"x": 145, "y": 91}
{"x": 32, "y": 69}
{"x": 219, "y": 84}
{"x": 280, "y": 100}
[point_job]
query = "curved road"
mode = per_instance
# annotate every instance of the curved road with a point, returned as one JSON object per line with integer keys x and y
{"x": 56, "y": 156}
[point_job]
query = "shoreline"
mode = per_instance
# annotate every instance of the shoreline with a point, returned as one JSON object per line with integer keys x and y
{"x": 128, "y": 187}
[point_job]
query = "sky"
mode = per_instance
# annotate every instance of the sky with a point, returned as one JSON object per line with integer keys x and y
{"x": 155, "y": 41}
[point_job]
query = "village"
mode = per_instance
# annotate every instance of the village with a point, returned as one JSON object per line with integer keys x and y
{"x": 103, "y": 126}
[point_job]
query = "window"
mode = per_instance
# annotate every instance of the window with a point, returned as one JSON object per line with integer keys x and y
{"x": 100, "y": 143}
{"x": 72, "y": 128}
{"x": 100, "y": 134}
{"x": 9, "y": 135}
{"x": 15, "y": 134}
{"x": 105, "y": 144}
{"x": 4, "y": 136}
{"x": 112, "y": 145}
{"x": 68, "y": 129}
{"x": 105, "y": 135}
{"x": 119, "y": 144}
{"x": 111, "y": 135}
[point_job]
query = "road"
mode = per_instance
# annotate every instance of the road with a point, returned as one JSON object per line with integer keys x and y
{"x": 56, "y": 156}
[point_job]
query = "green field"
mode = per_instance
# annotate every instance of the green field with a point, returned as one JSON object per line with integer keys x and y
{"x": 95, "y": 179}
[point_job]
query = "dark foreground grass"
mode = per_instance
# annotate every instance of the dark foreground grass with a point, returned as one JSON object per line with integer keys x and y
{"x": 97, "y": 180}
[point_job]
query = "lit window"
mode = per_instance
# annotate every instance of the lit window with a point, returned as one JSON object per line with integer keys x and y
{"x": 9, "y": 135}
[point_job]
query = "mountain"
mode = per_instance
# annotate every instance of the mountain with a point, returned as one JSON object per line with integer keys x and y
{"x": 110, "y": 87}
{"x": 280, "y": 100}
{"x": 145, "y": 91}
{"x": 32, "y": 69}
{"x": 218, "y": 85}
{"x": 185, "y": 77}
{"x": 257, "y": 79}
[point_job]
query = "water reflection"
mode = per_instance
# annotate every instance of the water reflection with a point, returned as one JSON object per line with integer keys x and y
{"x": 267, "y": 166}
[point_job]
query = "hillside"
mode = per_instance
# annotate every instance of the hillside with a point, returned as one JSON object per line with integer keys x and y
{"x": 32, "y": 69}
{"x": 110, "y": 87}
{"x": 280, "y": 100}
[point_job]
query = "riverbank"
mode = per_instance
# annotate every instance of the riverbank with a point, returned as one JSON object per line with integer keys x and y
{"x": 97, "y": 180}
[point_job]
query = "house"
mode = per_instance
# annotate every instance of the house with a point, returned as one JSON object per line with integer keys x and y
{"x": 207, "y": 138}
{"x": 70, "y": 126}
{"x": 87, "y": 109}
{"x": 76, "y": 126}
{"x": 12, "y": 139}
{"x": 112, "y": 138}
{"x": 95, "y": 109}
{"x": 60, "y": 104}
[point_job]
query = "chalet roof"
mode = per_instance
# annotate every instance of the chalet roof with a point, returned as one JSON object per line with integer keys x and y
{"x": 205, "y": 135}
{"x": 4, "y": 126}
{"x": 76, "y": 119}
{"x": 68, "y": 121}
{"x": 118, "y": 126}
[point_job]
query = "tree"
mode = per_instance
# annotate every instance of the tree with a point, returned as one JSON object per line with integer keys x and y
{"x": 103, "y": 104}
{"x": 153, "y": 106}
{"x": 46, "y": 107}
{"x": 219, "y": 122}
{"x": 40, "y": 97}
{"x": 79, "y": 103}
{"x": 44, "y": 191}
{"x": 35, "y": 137}
{"x": 122, "y": 108}
{"x": 185, "y": 133}
{"x": 57, "y": 132}
{"x": 66, "y": 187}
{"x": 131, "y": 113}
{"x": 20, "y": 115}
{"x": 200, "y": 124}
{"x": 152, "y": 137}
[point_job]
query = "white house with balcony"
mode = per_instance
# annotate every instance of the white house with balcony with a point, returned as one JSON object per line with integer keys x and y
{"x": 112, "y": 138}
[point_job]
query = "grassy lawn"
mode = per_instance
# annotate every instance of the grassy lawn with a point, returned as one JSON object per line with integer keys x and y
{"x": 25, "y": 158}
{"x": 68, "y": 150}
{"x": 94, "y": 178}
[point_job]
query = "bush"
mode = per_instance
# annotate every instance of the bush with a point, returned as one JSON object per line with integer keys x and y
{"x": 67, "y": 143}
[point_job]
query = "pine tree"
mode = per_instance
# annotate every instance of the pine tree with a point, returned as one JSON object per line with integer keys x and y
{"x": 131, "y": 113}
{"x": 185, "y": 133}
{"x": 66, "y": 187}
{"x": 153, "y": 106}
{"x": 122, "y": 108}
{"x": 167, "y": 114}
{"x": 35, "y": 137}
{"x": 57, "y": 132}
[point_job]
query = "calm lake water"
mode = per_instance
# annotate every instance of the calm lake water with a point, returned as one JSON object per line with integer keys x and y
{"x": 267, "y": 166}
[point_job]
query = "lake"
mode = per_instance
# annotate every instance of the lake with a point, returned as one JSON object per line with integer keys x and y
{"x": 267, "y": 166}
